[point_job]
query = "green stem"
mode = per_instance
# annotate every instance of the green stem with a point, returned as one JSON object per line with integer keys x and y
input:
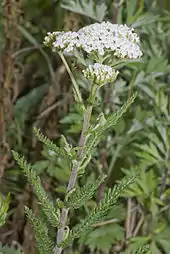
{"x": 77, "y": 94}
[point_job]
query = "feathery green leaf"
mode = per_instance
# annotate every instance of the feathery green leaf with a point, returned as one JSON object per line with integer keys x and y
{"x": 97, "y": 134}
{"x": 81, "y": 195}
{"x": 46, "y": 204}
{"x": 100, "y": 211}
{"x": 44, "y": 243}
{"x": 58, "y": 150}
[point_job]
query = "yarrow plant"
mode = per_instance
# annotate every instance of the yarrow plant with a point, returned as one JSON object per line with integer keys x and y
{"x": 97, "y": 42}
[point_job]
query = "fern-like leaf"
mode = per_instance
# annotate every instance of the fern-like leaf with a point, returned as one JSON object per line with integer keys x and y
{"x": 100, "y": 211}
{"x": 82, "y": 195}
{"x": 44, "y": 243}
{"x": 97, "y": 135}
{"x": 113, "y": 119}
{"x": 58, "y": 150}
{"x": 46, "y": 204}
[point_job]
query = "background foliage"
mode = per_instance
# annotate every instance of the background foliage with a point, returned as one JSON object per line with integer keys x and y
{"x": 36, "y": 91}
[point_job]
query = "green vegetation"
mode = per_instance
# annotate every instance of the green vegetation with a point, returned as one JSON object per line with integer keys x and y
{"x": 120, "y": 202}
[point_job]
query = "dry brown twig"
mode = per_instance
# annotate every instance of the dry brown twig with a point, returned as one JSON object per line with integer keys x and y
{"x": 11, "y": 18}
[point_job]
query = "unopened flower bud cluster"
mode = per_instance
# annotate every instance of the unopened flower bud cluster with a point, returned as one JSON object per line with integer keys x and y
{"x": 100, "y": 74}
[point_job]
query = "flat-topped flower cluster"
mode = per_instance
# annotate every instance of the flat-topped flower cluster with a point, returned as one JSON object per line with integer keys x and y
{"x": 98, "y": 39}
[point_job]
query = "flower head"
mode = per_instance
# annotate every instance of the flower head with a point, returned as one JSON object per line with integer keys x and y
{"x": 98, "y": 38}
{"x": 100, "y": 74}
{"x": 107, "y": 37}
{"x": 65, "y": 41}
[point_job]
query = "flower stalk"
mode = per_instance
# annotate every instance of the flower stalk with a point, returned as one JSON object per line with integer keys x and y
{"x": 76, "y": 90}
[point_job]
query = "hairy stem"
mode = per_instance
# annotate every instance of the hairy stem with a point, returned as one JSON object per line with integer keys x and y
{"x": 73, "y": 177}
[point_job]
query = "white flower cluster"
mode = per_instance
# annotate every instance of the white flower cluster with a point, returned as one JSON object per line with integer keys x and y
{"x": 65, "y": 41}
{"x": 100, "y": 74}
{"x": 50, "y": 38}
{"x": 107, "y": 37}
{"x": 98, "y": 38}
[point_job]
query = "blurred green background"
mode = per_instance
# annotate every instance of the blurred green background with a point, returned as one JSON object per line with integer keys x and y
{"x": 35, "y": 90}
